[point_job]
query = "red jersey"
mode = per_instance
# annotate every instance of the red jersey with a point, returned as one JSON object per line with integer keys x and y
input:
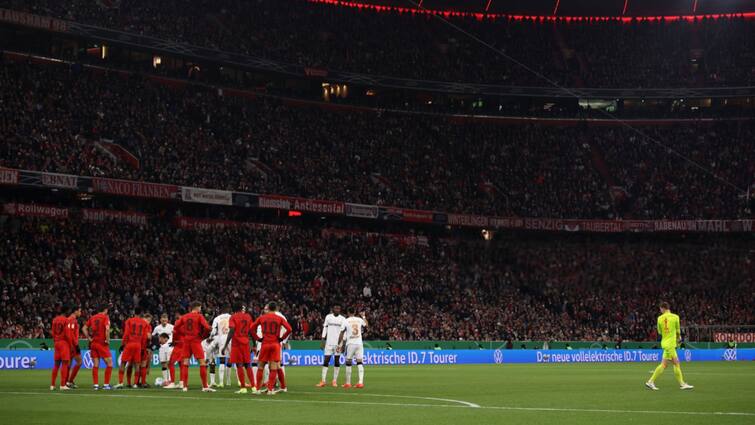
{"x": 60, "y": 329}
{"x": 135, "y": 331}
{"x": 147, "y": 334}
{"x": 271, "y": 325}
{"x": 193, "y": 327}
{"x": 242, "y": 323}
{"x": 73, "y": 329}
{"x": 177, "y": 336}
{"x": 98, "y": 328}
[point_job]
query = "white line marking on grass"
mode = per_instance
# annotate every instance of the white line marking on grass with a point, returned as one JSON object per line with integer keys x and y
{"x": 450, "y": 400}
{"x": 285, "y": 399}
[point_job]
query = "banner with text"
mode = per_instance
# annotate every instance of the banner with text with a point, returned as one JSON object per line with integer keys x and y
{"x": 127, "y": 217}
{"x": 206, "y": 196}
{"x": 8, "y": 176}
{"x": 134, "y": 188}
{"x": 300, "y": 204}
{"x": 35, "y": 210}
{"x": 739, "y": 337}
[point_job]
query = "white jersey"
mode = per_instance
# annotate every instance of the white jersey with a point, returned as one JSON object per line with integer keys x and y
{"x": 220, "y": 325}
{"x": 164, "y": 329}
{"x": 353, "y": 327}
{"x": 331, "y": 329}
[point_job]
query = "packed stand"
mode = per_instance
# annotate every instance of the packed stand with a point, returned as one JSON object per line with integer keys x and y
{"x": 55, "y": 118}
{"x": 449, "y": 290}
{"x": 585, "y": 54}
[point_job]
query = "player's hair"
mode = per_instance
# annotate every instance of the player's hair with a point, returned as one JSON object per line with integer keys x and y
{"x": 103, "y": 307}
{"x": 138, "y": 311}
{"x": 351, "y": 311}
{"x": 237, "y": 306}
{"x": 147, "y": 316}
{"x": 194, "y": 304}
{"x": 164, "y": 316}
{"x": 272, "y": 306}
{"x": 164, "y": 335}
{"x": 664, "y": 305}
{"x": 225, "y": 308}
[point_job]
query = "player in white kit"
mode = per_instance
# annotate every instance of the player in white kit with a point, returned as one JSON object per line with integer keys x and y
{"x": 331, "y": 329}
{"x": 165, "y": 349}
{"x": 218, "y": 336}
{"x": 351, "y": 334}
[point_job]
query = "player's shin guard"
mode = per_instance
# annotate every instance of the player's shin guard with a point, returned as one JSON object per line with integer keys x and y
{"x": 658, "y": 371}
{"x": 95, "y": 375}
{"x": 360, "y": 370}
{"x": 240, "y": 375}
{"x": 203, "y": 375}
{"x": 678, "y": 374}
{"x": 259, "y": 381}
{"x": 282, "y": 378}
{"x": 108, "y": 374}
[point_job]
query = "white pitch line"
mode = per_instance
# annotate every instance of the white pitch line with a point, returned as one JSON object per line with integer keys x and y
{"x": 283, "y": 399}
{"x": 450, "y": 400}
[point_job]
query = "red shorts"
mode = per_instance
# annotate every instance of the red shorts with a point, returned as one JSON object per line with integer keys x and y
{"x": 193, "y": 348}
{"x": 240, "y": 354}
{"x": 132, "y": 353}
{"x": 270, "y": 352}
{"x": 177, "y": 354}
{"x": 62, "y": 351}
{"x": 99, "y": 350}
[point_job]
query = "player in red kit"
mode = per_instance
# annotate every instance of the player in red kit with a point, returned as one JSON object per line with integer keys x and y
{"x": 134, "y": 334}
{"x": 176, "y": 355}
{"x": 270, "y": 352}
{"x": 73, "y": 329}
{"x": 60, "y": 337}
{"x": 194, "y": 328}
{"x": 239, "y": 329}
{"x": 97, "y": 331}
{"x": 141, "y": 377}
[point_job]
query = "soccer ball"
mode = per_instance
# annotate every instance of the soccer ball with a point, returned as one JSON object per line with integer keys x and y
{"x": 158, "y": 382}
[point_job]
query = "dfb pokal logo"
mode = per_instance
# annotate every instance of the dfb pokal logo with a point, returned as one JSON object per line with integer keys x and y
{"x": 86, "y": 359}
{"x": 687, "y": 355}
{"x": 730, "y": 355}
{"x": 498, "y": 356}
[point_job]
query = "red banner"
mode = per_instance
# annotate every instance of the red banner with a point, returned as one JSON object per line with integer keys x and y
{"x": 134, "y": 188}
{"x": 35, "y": 21}
{"x": 301, "y": 204}
{"x": 468, "y": 220}
{"x": 8, "y": 176}
{"x": 128, "y": 217}
{"x": 35, "y": 210}
{"x": 401, "y": 239}
{"x": 734, "y": 336}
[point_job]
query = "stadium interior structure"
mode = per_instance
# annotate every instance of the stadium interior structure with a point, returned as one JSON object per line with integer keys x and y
{"x": 153, "y": 153}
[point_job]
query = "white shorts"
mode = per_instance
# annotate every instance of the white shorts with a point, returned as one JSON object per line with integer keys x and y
{"x": 354, "y": 351}
{"x": 220, "y": 343}
{"x": 330, "y": 350}
{"x": 210, "y": 350}
{"x": 164, "y": 354}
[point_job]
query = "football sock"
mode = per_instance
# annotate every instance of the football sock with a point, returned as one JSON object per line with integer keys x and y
{"x": 95, "y": 375}
{"x": 678, "y": 374}
{"x": 203, "y": 375}
{"x": 250, "y": 375}
{"x": 271, "y": 380}
{"x": 324, "y": 373}
{"x": 282, "y": 378}
{"x": 64, "y": 374}
{"x": 120, "y": 376}
{"x": 336, "y": 369}
{"x": 129, "y": 371}
{"x": 108, "y": 374}
{"x": 75, "y": 371}
{"x": 54, "y": 374}
{"x": 360, "y": 369}
{"x": 172, "y": 372}
{"x": 185, "y": 375}
{"x": 348, "y": 374}
{"x": 221, "y": 372}
{"x": 658, "y": 371}
{"x": 166, "y": 376}
{"x": 259, "y": 380}
{"x": 144, "y": 375}
{"x": 242, "y": 378}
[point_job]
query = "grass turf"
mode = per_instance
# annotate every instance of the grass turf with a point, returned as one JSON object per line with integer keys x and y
{"x": 526, "y": 394}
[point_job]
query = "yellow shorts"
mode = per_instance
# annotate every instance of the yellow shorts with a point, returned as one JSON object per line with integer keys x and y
{"x": 669, "y": 353}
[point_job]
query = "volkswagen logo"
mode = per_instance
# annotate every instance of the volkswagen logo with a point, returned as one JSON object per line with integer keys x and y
{"x": 86, "y": 358}
{"x": 687, "y": 355}
{"x": 498, "y": 356}
{"x": 730, "y": 355}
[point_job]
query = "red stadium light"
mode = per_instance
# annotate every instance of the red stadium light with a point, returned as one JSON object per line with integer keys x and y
{"x": 294, "y": 213}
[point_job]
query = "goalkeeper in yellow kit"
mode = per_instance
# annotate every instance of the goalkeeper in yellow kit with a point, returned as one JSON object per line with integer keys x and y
{"x": 668, "y": 328}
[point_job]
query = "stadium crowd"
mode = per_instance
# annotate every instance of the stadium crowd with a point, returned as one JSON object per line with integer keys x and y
{"x": 54, "y": 118}
{"x": 524, "y": 289}
{"x": 709, "y": 52}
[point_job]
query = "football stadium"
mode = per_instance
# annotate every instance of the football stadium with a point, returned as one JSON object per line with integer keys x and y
{"x": 377, "y": 211}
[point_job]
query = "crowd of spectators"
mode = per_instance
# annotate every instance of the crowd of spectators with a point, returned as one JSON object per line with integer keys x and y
{"x": 520, "y": 289}
{"x": 52, "y": 118}
{"x": 709, "y": 52}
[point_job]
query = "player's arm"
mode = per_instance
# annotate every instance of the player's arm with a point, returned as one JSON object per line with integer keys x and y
{"x": 107, "y": 334}
{"x": 288, "y": 329}
{"x": 205, "y": 326}
{"x": 254, "y": 326}
{"x": 364, "y": 319}
{"x": 324, "y": 334}
{"x": 85, "y": 331}
{"x": 340, "y": 339}
{"x": 231, "y": 331}
{"x": 678, "y": 332}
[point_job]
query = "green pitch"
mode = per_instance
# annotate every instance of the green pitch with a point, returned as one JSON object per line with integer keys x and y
{"x": 523, "y": 394}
